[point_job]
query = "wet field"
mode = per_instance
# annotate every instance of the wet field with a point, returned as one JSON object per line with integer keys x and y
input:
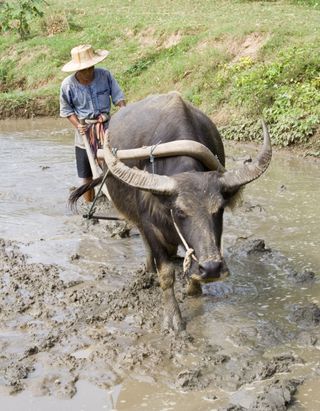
{"x": 80, "y": 319}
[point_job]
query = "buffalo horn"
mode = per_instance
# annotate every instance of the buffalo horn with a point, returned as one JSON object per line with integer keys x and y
{"x": 137, "y": 178}
{"x": 249, "y": 172}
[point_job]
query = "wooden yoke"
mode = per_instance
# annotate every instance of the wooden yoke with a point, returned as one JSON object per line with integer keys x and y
{"x": 173, "y": 148}
{"x": 93, "y": 163}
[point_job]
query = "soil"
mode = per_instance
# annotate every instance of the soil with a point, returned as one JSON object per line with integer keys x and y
{"x": 72, "y": 328}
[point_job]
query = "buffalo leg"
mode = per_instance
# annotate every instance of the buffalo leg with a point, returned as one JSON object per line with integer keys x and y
{"x": 150, "y": 265}
{"x": 172, "y": 315}
{"x": 193, "y": 287}
{"x": 166, "y": 273}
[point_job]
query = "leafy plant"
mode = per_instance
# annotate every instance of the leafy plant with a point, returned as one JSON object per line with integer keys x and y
{"x": 16, "y": 16}
{"x": 194, "y": 96}
{"x": 286, "y": 92}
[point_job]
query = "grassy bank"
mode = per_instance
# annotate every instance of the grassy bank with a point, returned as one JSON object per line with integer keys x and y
{"x": 235, "y": 60}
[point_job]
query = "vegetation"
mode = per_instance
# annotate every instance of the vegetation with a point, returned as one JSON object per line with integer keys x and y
{"x": 236, "y": 60}
{"x": 16, "y": 16}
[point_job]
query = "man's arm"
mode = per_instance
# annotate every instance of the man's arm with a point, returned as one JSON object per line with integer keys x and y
{"x": 76, "y": 123}
{"x": 67, "y": 109}
{"x": 116, "y": 94}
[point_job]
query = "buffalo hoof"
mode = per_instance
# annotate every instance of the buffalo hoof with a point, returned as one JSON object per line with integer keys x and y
{"x": 173, "y": 322}
{"x": 193, "y": 288}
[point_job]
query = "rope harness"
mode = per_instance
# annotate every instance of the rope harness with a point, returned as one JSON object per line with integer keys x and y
{"x": 96, "y": 129}
{"x": 152, "y": 157}
{"x": 189, "y": 251}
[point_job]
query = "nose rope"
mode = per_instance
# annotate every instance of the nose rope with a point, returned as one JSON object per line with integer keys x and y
{"x": 189, "y": 251}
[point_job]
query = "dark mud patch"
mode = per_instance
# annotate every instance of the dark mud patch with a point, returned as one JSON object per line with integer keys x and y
{"x": 278, "y": 364}
{"x": 254, "y": 246}
{"x": 275, "y": 396}
{"x": 301, "y": 277}
{"x": 306, "y": 315}
{"x": 55, "y": 333}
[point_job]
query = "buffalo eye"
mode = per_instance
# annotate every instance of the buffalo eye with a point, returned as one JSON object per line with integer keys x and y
{"x": 223, "y": 204}
{"x": 180, "y": 213}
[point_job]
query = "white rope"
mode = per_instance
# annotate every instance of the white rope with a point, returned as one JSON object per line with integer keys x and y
{"x": 187, "y": 259}
{"x": 189, "y": 251}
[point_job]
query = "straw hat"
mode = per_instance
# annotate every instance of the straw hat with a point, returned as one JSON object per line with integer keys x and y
{"x": 84, "y": 56}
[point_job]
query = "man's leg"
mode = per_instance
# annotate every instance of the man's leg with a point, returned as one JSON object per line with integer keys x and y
{"x": 84, "y": 172}
{"x": 88, "y": 196}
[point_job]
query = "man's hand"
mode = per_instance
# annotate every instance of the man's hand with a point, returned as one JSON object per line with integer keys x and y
{"x": 82, "y": 128}
{"x": 121, "y": 103}
{"x": 102, "y": 118}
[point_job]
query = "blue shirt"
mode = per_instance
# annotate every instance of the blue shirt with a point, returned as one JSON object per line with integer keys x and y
{"x": 88, "y": 101}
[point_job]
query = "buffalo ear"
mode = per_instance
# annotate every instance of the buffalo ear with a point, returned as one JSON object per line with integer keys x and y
{"x": 233, "y": 197}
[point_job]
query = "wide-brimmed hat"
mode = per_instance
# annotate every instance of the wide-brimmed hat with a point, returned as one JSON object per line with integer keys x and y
{"x": 84, "y": 56}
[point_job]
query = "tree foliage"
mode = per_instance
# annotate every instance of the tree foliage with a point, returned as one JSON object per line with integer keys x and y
{"x": 17, "y": 15}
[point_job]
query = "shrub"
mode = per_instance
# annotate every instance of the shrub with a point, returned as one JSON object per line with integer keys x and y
{"x": 286, "y": 92}
{"x": 17, "y": 15}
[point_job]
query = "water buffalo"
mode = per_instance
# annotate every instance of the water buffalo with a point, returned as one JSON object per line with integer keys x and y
{"x": 180, "y": 198}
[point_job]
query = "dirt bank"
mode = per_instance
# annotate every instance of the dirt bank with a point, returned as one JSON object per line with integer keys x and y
{"x": 30, "y": 107}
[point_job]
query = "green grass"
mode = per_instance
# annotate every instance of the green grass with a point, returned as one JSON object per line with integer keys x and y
{"x": 235, "y": 60}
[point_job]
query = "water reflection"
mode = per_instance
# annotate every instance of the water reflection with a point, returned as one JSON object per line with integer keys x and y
{"x": 37, "y": 162}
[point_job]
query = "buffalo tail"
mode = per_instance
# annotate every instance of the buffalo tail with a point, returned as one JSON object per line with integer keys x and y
{"x": 78, "y": 192}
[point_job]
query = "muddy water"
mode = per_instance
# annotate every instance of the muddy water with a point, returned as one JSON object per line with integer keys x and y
{"x": 80, "y": 319}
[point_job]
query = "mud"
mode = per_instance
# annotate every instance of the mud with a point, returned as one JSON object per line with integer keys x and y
{"x": 74, "y": 330}
{"x": 85, "y": 317}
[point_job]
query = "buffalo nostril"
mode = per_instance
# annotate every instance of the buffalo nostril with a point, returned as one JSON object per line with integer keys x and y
{"x": 210, "y": 269}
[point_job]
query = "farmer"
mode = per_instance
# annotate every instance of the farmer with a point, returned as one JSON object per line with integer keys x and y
{"x": 85, "y": 100}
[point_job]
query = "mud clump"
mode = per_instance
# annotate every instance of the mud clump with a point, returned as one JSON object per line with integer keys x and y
{"x": 248, "y": 247}
{"x": 278, "y": 364}
{"x": 307, "y": 315}
{"x": 119, "y": 229}
{"x": 54, "y": 385}
{"x": 307, "y": 339}
{"x": 277, "y": 396}
{"x": 300, "y": 277}
{"x": 25, "y": 286}
{"x": 13, "y": 375}
{"x": 191, "y": 379}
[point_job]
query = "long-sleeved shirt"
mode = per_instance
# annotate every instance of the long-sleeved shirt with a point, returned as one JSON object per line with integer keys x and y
{"x": 88, "y": 101}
